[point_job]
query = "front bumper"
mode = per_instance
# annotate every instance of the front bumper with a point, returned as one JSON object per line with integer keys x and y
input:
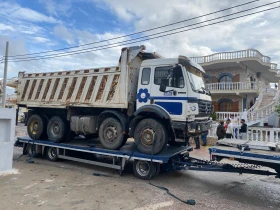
{"x": 194, "y": 128}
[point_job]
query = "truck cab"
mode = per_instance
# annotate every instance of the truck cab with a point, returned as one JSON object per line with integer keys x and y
{"x": 175, "y": 87}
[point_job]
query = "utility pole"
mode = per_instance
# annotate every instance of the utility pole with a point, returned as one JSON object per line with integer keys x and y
{"x": 5, "y": 76}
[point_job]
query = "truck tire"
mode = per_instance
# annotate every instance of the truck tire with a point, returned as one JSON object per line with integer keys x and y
{"x": 111, "y": 133}
{"x": 146, "y": 132}
{"x": 143, "y": 169}
{"x": 57, "y": 130}
{"x": 36, "y": 127}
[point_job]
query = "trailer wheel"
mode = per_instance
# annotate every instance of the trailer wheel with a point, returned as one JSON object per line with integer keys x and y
{"x": 143, "y": 169}
{"x": 36, "y": 127}
{"x": 146, "y": 132}
{"x": 52, "y": 154}
{"x": 111, "y": 133}
{"x": 57, "y": 131}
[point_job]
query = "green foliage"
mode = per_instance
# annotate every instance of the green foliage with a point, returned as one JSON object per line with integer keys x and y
{"x": 277, "y": 109}
{"x": 214, "y": 116}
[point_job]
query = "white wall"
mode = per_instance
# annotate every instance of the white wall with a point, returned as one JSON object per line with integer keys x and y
{"x": 7, "y": 133}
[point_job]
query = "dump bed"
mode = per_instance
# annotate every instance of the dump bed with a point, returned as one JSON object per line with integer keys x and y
{"x": 81, "y": 88}
{"x": 110, "y": 87}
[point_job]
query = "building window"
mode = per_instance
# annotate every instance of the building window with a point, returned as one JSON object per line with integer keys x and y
{"x": 225, "y": 106}
{"x": 225, "y": 79}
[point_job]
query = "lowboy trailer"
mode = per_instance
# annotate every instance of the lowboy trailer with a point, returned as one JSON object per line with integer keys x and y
{"x": 146, "y": 166}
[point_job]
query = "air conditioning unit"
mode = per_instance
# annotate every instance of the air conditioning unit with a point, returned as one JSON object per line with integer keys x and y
{"x": 259, "y": 74}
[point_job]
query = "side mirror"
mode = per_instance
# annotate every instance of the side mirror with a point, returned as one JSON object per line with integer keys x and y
{"x": 162, "y": 87}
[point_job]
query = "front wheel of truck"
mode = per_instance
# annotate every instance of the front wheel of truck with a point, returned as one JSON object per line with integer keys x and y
{"x": 151, "y": 136}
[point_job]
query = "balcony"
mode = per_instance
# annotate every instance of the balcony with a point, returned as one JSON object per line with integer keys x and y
{"x": 233, "y": 87}
{"x": 250, "y": 58}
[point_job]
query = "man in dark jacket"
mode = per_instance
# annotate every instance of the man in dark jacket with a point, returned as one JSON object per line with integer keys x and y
{"x": 243, "y": 129}
{"x": 221, "y": 132}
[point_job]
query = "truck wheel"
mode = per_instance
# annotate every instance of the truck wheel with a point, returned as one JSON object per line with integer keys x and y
{"x": 36, "y": 127}
{"x": 52, "y": 154}
{"x": 111, "y": 133}
{"x": 146, "y": 132}
{"x": 57, "y": 131}
{"x": 143, "y": 169}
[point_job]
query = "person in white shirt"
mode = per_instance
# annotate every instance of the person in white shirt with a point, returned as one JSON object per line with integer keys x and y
{"x": 229, "y": 130}
{"x": 234, "y": 122}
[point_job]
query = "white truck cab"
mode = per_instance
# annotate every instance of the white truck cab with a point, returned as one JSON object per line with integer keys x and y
{"x": 176, "y": 86}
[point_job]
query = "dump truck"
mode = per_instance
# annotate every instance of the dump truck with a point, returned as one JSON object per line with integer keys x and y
{"x": 155, "y": 100}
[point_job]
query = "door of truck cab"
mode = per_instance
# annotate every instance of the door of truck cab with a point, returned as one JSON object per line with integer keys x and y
{"x": 173, "y": 99}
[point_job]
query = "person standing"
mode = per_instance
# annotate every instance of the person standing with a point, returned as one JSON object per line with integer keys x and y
{"x": 229, "y": 130}
{"x": 204, "y": 138}
{"x": 197, "y": 143}
{"x": 243, "y": 129}
{"x": 221, "y": 131}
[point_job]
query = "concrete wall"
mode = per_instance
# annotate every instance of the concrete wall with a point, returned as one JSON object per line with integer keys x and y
{"x": 7, "y": 132}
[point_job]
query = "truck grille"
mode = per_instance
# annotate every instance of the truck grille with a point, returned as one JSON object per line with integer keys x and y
{"x": 205, "y": 108}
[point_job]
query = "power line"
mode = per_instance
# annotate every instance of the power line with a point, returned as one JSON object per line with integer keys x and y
{"x": 132, "y": 34}
{"x": 152, "y": 37}
{"x": 87, "y": 49}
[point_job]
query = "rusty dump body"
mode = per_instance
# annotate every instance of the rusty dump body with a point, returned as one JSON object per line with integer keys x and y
{"x": 110, "y": 87}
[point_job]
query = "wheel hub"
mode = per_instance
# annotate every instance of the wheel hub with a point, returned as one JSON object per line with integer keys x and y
{"x": 34, "y": 127}
{"x": 148, "y": 136}
{"x": 56, "y": 129}
{"x": 142, "y": 168}
{"x": 110, "y": 133}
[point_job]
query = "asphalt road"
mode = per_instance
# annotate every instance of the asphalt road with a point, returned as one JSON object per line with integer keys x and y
{"x": 71, "y": 185}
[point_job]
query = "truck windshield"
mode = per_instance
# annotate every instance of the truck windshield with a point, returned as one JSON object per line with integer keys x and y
{"x": 196, "y": 80}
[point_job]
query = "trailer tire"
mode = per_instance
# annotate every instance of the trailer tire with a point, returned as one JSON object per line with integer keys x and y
{"x": 111, "y": 133}
{"x": 143, "y": 169}
{"x": 57, "y": 130}
{"x": 51, "y": 154}
{"x": 146, "y": 132}
{"x": 36, "y": 127}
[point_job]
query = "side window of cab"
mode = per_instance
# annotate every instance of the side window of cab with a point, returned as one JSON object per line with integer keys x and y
{"x": 146, "y": 73}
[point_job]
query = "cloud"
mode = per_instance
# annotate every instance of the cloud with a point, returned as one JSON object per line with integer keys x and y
{"x": 15, "y": 11}
{"x": 58, "y": 29}
{"x": 4, "y": 27}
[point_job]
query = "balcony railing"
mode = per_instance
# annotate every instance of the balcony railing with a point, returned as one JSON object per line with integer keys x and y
{"x": 251, "y": 53}
{"x": 233, "y": 86}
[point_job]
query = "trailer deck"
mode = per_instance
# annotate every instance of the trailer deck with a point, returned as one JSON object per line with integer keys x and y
{"x": 146, "y": 166}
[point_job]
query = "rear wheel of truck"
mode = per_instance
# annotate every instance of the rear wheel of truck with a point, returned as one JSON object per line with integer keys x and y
{"x": 36, "y": 126}
{"x": 111, "y": 133}
{"x": 143, "y": 169}
{"x": 151, "y": 136}
{"x": 57, "y": 130}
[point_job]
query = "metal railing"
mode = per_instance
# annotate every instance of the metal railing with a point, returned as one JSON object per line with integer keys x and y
{"x": 250, "y": 53}
{"x": 257, "y": 134}
{"x": 233, "y": 86}
{"x": 226, "y": 115}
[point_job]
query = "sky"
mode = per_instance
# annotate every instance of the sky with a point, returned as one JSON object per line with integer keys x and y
{"x": 42, "y": 25}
